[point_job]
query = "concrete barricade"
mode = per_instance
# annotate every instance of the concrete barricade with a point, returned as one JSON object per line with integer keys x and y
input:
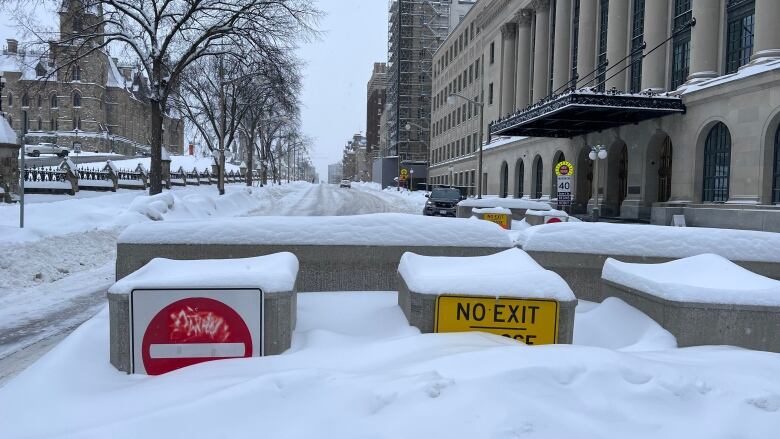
{"x": 578, "y": 251}
{"x": 350, "y": 253}
{"x": 501, "y": 286}
{"x": 518, "y": 206}
{"x": 702, "y": 300}
{"x": 273, "y": 275}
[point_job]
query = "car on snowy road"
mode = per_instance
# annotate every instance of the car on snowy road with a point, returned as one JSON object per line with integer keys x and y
{"x": 345, "y": 183}
{"x": 46, "y": 148}
{"x": 442, "y": 201}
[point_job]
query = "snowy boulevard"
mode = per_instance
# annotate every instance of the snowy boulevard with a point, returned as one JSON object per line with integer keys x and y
{"x": 55, "y": 273}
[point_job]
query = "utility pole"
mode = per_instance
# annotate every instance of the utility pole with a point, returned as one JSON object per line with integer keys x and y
{"x": 222, "y": 128}
{"x": 21, "y": 172}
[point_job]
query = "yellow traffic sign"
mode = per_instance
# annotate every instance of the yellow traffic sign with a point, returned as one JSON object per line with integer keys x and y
{"x": 530, "y": 321}
{"x": 404, "y": 172}
{"x": 564, "y": 169}
{"x": 502, "y": 219}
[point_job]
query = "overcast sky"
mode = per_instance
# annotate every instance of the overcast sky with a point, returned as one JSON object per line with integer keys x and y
{"x": 338, "y": 67}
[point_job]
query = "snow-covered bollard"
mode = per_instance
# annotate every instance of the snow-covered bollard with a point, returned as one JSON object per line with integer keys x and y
{"x": 517, "y": 206}
{"x": 539, "y": 217}
{"x": 702, "y": 300}
{"x": 506, "y": 293}
{"x": 499, "y": 215}
{"x": 171, "y": 314}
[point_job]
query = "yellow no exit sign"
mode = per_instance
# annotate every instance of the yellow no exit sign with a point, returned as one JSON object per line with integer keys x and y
{"x": 531, "y": 321}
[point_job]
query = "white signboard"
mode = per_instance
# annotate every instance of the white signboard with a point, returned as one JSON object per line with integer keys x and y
{"x": 172, "y": 329}
{"x": 564, "y": 189}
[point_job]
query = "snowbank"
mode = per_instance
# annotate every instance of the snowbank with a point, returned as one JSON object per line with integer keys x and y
{"x": 495, "y": 210}
{"x": 510, "y": 273}
{"x": 357, "y": 370}
{"x": 646, "y": 240}
{"x": 271, "y": 273}
{"x": 509, "y": 203}
{"x": 704, "y": 278}
{"x": 187, "y": 162}
{"x": 389, "y": 229}
{"x": 7, "y": 134}
{"x": 545, "y": 213}
{"x": 596, "y": 323}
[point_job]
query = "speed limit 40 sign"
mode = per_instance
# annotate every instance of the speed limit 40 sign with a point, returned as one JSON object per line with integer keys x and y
{"x": 565, "y": 171}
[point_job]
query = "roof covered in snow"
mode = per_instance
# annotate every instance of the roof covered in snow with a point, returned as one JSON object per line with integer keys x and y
{"x": 704, "y": 278}
{"x": 274, "y": 273}
{"x": 511, "y": 273}
{"x": 389, "y": 229}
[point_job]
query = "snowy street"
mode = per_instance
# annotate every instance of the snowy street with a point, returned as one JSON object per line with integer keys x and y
{"x": 55, "y": 273}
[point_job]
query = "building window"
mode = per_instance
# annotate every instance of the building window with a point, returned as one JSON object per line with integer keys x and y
{"x": 575, "y": 43}
{"x": 10, "y": 99}
{"x": 741, "y": 21}
{"x": 25, "y": 100}
{"x": 40, "y": 70}
{"x": 476, "y": 69}
{"x": 75, "y": 73}
{"x": 681, "y": 42}
{"x": 76, "y": 99}
{"x": 637, "y": 40}
{"x": 53, "y": 124}
{"x": 40, "y": 101}
{"x": 776, "y": 170}
{"x": 717, "y": 164}
{"x": 492, "y": 52}
{"x": 539, "y": 174}
{"x": 40, "y": 124}
{"x": 490, "y": 94}
{"x": 54, "y": 101}
{"x": 520, "y": 177}
{"x": 603, "y": 24}
{"x": 665, "y": 172}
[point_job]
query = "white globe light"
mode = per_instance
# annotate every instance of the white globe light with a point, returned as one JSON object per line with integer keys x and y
{"x": 451, "y": 99}
{"x": 592, "y": 155}
{"x": 408, "y": 127}
{"x": 603, "y": 154}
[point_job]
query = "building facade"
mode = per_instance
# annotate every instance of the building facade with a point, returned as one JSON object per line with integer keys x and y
{"x": 682, "y": 95}
{"x": 95, "y": 103}
{"x": 376, "y": 100}
{"x": 335, "y": 172}
{"x": 356, "y": 161}
{"x": 416, "y": 30}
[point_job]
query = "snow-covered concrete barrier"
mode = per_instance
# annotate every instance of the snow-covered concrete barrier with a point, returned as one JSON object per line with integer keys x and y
{"x": 344, "y": 253}
{"x": 577, "y": 250}
{"x": 702, "y": 300}
{"x": 171, "y": 314}
{"x": 506, "y": 293}
{"x": 518, "y": 206}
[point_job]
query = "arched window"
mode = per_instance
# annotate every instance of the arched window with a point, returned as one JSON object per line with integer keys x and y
{"x": 520, "y": 178}
{"x": 665, "y": 172}
{"x": 76, "y": 123}
{"x": 53, "y": 100}
{"x": 40, "y": 70}
{"x": 25, "y": 100}
{"x": 76, "y": 99}
{"x": 75, "y": 73}
{"x": 39, "y": 101}
{"x": 504, "y": 180}
{"x": 539, "y": 169}
{"x": 717, "y": 164}
{"x": 10, "y": 99}
{"x": 776, "y": 171}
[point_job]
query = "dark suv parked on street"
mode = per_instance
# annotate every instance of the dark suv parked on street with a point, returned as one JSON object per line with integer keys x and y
{"x": 442, "y": 201}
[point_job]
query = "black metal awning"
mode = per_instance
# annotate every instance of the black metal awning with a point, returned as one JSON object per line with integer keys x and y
{"x": 583, "y": 111}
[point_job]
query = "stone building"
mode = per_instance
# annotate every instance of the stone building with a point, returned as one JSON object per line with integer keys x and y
{"x": 376, "y": 99}
{"x": 356, "y": 161}
{"x": 335, "y": 172}
{"x": 96, "y": 102}
{"x": 682, "y": 95}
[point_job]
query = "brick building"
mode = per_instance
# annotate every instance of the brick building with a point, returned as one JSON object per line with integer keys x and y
{"x": 96, "y": 103}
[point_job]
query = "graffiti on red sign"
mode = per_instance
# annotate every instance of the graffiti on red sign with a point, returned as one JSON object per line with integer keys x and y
{"x": 189, "y": 324}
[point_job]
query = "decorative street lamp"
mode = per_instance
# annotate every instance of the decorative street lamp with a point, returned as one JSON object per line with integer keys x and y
{"x": 597, "y": 152}
{"x": 2, "y": 86}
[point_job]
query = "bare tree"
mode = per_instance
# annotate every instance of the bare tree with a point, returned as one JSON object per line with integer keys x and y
{"x": 167, "y": 36}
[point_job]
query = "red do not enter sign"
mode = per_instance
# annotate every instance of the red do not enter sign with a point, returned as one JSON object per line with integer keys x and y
{"x": 193, "y": 330}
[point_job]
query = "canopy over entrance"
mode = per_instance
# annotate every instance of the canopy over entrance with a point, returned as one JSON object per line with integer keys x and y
{"x": 583, "y": 111}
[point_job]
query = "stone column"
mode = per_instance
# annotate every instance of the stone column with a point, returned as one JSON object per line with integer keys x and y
{"x": 617, "y": 44}
{"x": 705, "y": 40}
{"x": 562, "y": 58}
{"x": 541, "y": 49}
{"x": 656, "y": 27}
{"x": 523, "y": 88}
{"x": 767, "y": 36}
{"x": 508, "y": 35}
{"x": 586, "y": 51}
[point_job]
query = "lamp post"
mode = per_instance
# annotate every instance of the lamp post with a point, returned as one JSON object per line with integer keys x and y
{"x": 597, "y": 152}
{"x": 451, "y": 99}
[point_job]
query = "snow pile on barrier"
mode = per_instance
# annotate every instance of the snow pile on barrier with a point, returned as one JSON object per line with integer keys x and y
{"x": 651, "y": 241}
{"x": 595, "y": 325}
{"x": 704, "y": 278}
{"x": 387, "y": 229}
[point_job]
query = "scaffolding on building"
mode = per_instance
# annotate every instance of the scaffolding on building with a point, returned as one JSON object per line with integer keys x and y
{"x": 416, "y": 30}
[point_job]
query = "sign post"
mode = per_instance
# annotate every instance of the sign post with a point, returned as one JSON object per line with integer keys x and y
{"x": 565, "y": 172}
{"x": 172, "y": 329}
